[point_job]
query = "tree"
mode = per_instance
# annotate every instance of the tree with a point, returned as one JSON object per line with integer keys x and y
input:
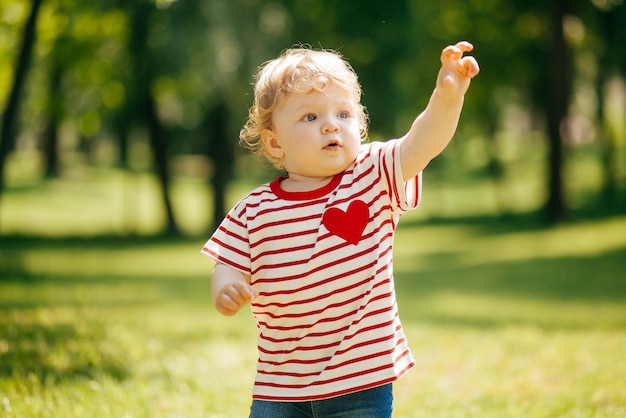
{"x": 559, "y": 91}
{"x": 611, "y": 36}
{"x": 54, "y": 116}
{"x": 142, "y": 79}
{"x": 220, "y": 150}
{"x": 10, "y": 114}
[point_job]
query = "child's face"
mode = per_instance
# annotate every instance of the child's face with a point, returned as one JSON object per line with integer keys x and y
{"x": 315, "y": 135}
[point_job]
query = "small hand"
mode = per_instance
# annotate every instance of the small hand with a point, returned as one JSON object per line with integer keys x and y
{"x": 456, "y": 70}
{"x": 233, "y": 296}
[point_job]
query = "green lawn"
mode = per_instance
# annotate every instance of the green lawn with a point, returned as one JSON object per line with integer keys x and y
{"x": 505, "y": 319}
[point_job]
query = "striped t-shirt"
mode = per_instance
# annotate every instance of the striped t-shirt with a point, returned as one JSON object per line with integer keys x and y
{"x": 322, "y": 263}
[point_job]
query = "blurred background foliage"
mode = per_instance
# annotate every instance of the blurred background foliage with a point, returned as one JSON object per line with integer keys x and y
{"x": 128, "y": 92}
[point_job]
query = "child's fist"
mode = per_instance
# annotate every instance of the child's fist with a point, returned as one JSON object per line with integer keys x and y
{"x": 233, "y": 296}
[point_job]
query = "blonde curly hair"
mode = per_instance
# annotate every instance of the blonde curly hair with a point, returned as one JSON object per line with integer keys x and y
{"x": 297, "y": 70}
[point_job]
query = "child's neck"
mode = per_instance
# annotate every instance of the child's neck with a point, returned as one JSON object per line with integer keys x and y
{"x": 294, "y": 184}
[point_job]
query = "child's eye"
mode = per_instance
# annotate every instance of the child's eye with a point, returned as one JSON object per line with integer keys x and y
{"x": 309, "y": 118}
{"x": 344, "y": 114}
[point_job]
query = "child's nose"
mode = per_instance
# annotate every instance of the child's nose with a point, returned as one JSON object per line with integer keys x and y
{"x": 330, "y": 126}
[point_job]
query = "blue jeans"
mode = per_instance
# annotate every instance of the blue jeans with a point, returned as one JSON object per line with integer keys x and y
{"x": 370, "y": 403}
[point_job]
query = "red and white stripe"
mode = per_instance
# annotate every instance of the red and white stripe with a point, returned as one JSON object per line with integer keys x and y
{"x": 326, "y": 311}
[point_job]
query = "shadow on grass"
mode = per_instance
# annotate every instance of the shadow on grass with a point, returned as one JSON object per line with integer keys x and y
{"x": 595, "y": 277}
{"x": 514, "y": 222}
{"x": 598, "y": 278}
{"x": 62, "y": 350}
{"x": 56, "y": 353}
{"x": 54, "y": 327}
{"x": 567, "y": 293}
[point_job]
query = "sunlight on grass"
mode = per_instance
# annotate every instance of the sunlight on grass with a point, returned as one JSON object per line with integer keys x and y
{"x": 513, "y": 371}
{"x": 114, "y": 203}
{"x": 581, "y": 239}
{"x": 109, "y": 202}
{"x": 147, "y": 260}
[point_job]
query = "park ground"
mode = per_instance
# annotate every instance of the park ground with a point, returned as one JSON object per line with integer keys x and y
{"x": 506, "y": 317}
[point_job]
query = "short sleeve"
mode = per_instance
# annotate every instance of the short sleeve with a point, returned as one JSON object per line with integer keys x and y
{"x": 405, "y": 195}
{"x": 230, "y": 244}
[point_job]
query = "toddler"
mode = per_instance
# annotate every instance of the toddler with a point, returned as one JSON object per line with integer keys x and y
{"x": 311, "y": 251}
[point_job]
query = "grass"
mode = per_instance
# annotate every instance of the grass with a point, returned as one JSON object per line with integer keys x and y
{"x": 505, "y": 318}
{"x": 83, "y": 333}
{"x": 515, "y": 323}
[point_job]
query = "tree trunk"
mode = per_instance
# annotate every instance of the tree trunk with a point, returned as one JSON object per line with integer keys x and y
{"x": 220, "y": 150}
{"x": 608, "y": 64}
{"x": 557, "y": 104}
{"x": 51, "y": 135}
{"x": 11, "y": 112}
{"x": 158, "y": 144}
{"x": 143, "y": 76}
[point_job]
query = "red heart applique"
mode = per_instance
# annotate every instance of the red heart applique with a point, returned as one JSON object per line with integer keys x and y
{"x": 349, "y": 224}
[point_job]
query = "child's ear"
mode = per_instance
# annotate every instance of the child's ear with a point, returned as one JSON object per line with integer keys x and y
{"x": 270, "y": 141}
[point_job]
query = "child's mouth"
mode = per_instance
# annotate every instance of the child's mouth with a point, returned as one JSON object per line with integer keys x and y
{"x": 334, "y": 145}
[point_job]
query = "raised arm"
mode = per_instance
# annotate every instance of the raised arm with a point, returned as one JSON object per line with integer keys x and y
{"x": 230, "y": 289}
{"x": 433, "y": 129}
